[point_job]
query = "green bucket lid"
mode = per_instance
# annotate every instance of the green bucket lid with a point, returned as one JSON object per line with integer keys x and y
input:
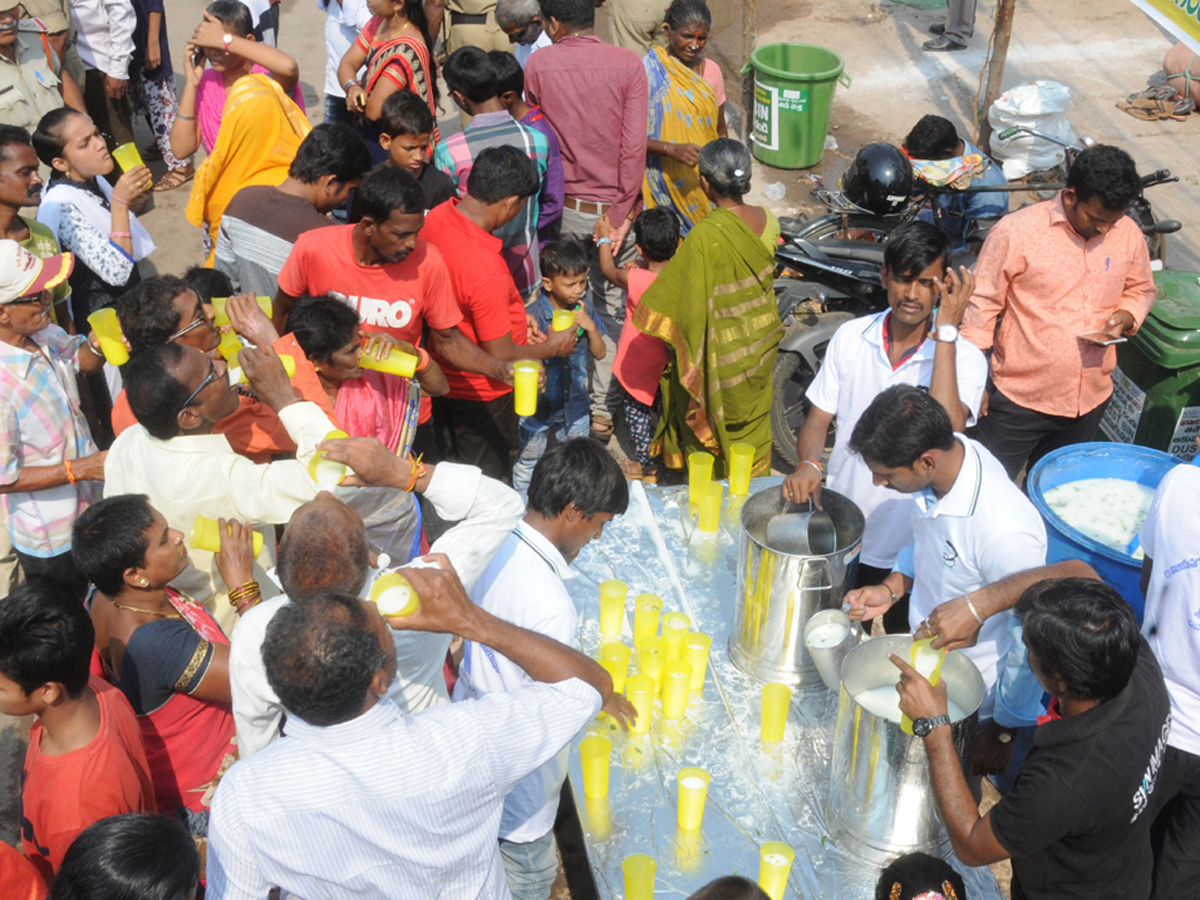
{"x": 1170, "y": 336}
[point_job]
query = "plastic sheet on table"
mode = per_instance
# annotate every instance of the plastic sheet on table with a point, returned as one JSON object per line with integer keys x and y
{"x": 759, "y": 792}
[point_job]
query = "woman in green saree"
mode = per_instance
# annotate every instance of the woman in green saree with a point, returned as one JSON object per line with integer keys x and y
{"x": 714, "y": 306}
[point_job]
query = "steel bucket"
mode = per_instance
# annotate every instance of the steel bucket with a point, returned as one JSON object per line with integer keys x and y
{"x": 881, "y": 800}
{"x": 778, "y": 593}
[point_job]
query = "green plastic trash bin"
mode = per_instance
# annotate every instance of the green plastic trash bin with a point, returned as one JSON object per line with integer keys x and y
{"x": 1156, "y": 386}
{"x": 793, "y": 94}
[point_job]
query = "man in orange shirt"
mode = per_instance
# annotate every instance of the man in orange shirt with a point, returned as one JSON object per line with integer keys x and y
{"x": 1050, "y": 273}
{"x": 85, "y": 760}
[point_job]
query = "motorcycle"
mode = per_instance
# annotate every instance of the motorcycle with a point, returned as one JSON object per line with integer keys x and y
{"x": 829, "y": 270}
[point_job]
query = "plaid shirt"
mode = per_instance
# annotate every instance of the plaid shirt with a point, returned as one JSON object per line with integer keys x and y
{"x": 456, "y": 155}
{"x": 41, "y": 425}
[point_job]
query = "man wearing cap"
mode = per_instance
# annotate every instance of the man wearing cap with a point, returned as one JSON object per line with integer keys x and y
{"x": 49, "y": 461}
{"x": 32, "y": 79}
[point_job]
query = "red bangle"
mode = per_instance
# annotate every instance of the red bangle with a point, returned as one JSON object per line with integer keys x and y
{"x": 119, "y": 200}
{"x": 70, "y": 474}
{"x": 422, "y": 359}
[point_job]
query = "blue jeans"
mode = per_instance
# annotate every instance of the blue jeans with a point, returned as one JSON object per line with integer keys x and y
{"x": 531, "y": 868}
{"x": 532, "y": 441}
{"x": 335, "y": 111}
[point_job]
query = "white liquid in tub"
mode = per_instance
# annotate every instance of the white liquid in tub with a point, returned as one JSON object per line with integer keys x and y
{"x": 885, "y": 703}
{"x": 1108, "y": 510}
{"x": 828, "y": 635}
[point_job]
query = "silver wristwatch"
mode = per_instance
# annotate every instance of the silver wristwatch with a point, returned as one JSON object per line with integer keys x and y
{"x": 947, "y": 334}
{"x": 922, "y": 727}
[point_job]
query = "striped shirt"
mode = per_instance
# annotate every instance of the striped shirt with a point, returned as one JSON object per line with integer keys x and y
{"x": 41, "y": 425}
{"x": 387, "y": 805}
{"x": 456, "y": 156}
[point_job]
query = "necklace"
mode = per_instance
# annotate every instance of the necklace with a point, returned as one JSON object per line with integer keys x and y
{"x": 147, "y": 612}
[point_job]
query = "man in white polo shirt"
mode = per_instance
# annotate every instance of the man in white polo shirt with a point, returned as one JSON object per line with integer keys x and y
{"x": 915, "y": 341}
{"x": 1171, "y": 585}
{"x": 971, "y": 526}
{"x": 576, "y": 489}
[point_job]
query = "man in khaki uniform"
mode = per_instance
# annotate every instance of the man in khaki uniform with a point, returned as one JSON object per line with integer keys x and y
{"x": 472, "y": 23}
{"x": 32, "y": 82}
{"x": 53, "y": 18}
{"x": 637, "y": 24}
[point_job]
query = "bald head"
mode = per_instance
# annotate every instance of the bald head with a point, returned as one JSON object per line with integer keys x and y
{"x": 324, "y": 548}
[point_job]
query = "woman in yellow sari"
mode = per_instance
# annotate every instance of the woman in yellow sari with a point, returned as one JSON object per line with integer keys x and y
{"x": 687, "y": 111}
{"x": 261, "y": 129}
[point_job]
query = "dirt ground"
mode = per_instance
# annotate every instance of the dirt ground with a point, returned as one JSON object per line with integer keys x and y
{"x": 1102, "y": 50}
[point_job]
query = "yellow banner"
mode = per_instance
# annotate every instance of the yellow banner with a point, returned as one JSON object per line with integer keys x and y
{"x": 1180, "y": 17}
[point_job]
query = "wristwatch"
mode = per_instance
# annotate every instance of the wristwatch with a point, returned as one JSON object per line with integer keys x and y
{"x": 1003, "y": 735}
{"x": 227, "y": 39}
{"x": 923, "y": 726}
{"x": 947, "y": 334}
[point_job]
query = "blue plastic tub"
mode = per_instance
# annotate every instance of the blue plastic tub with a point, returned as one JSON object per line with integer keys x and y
{"x": 1097, "y": 460}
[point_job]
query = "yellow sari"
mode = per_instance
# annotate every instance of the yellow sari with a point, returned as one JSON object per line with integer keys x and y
{"x": 261, "y": 129}
{"x": 683, "y": 110}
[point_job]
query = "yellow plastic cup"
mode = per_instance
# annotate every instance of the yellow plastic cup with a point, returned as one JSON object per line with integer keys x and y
{"x": 399, "y": 363}
{"x": 393, "y": 594}
{"x": 598, "y": 817}
{"x": 775, "y": 701}
{"x": 206, "y": 535}
{"x": 108, "y": 332}
{"x": 675, "y": 627}
{"x": 237, "y": 375}
{"x": 700, "y": 468}
{"x": 614, "y": 657}
{"x": 325, "y": 472}
{"x": 562, "y": 319}
{"x": 928, "y": 662}
{"x": 127, "y": 156}
{"x": 774, "y": 864}
{"x": 677, "y": 685}
{"x": 221, "y": 314}
{"x": 639, "y": 872}
{"x": 639, "y": 691}
{"x": 695, "y": 651}
{"x": 693, "y": 789}
{"x": 525, "y": 386}
{"x": 652, "y": 659}
{"x": 710, "y": 495}
{"x": 741, "y": 461}
{"x": 594, "y": 758}
{"x": 646, "y": 611}
{"x": 230, "y": 345}
{"x": 612, "y": 606}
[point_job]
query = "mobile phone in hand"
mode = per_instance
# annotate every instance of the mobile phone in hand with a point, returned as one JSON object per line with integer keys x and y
{"x": 1101, "y": 338}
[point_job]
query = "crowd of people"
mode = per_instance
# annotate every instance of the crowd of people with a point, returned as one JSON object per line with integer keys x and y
{"x": 591, "y": 217}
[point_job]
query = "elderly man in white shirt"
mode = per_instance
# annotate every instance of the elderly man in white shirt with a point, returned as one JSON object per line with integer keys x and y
{"x": 361, "y": 800}
{"x": 972, "y": 526}
{"x": 104, "y": 39}
{"x": 177, "y": 394}
{"x": 325, "y": 547}
{"x": 576, "y": 489}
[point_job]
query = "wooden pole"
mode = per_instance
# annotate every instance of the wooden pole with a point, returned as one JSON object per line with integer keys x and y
{"x": 995, "y": 72}
{"x": 749, "y": 40}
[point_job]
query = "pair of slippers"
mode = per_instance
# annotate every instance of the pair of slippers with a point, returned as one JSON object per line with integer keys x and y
{"x": 1156, "y": 103}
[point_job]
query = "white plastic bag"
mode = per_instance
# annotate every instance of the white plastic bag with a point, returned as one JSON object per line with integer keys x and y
{"x": 1042, "y": 106}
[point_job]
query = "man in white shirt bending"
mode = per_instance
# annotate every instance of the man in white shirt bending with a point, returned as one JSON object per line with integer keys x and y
{"x": 576, "y": 489}
{"x": 361, "y": 800}
{"x": 325, "y": 548}
{"x": 915, "y": 341}
{"x": 971, "y": 527}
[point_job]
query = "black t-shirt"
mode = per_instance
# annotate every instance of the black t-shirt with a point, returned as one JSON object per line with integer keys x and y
{"x": 1076, "y": 820}
{"x": 437, "y": 185}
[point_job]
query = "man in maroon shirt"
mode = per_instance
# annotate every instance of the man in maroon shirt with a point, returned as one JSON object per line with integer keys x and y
{"x": 595, "y": 97}
{"x": 475, "y": 422}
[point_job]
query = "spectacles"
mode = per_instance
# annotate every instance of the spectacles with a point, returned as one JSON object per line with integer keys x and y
{"x": 25, "y": 301}
{"x": 196, "y": 323}
{"x": 213, "y": 375}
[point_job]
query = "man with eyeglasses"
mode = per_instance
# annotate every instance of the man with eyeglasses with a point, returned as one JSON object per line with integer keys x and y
{"x": 521, "y": 20}
{"x": 174, "y": 456}
{"x": 164, "y": 310}
{"x": 49, "y": 460}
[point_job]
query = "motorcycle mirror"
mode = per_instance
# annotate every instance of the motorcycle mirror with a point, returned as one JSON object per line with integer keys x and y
{"x": 1166, "y": 226}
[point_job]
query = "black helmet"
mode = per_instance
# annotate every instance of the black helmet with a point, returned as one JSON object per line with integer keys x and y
{"x": 880, "y": 180}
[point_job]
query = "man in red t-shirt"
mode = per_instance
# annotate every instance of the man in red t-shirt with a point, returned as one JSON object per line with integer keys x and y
{"x": 396, "y": 281}
{"x": 475, "y": 422}
{"x": 85, "y": 760}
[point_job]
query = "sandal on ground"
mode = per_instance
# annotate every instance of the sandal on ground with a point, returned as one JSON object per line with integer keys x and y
{"x": 1147, "y": 110}
{"x": 636, "y": 471}
{"x": 175, "y": 178}
{"x": 602, "y": 426}
{"x": 1154, "y": 92}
